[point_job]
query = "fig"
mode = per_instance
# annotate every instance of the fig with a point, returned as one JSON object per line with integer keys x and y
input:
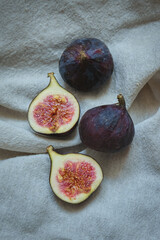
{"x": 107, "y": 128}
{"x": 86, "y": 63}
{"x": 54, "y": 110}
{"x": 73, "y": 176}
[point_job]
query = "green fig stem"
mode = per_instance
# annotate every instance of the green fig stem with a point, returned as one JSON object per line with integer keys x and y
{"x": 121, "y": 100}
{"x": 53, "y": 80}
{"x": 51, "y": 151}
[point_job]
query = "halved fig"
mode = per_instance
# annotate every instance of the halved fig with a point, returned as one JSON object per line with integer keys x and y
{"x": 54, "y": 110}
{"x": 107, "y": 128}
{"x": 73, "y": 176}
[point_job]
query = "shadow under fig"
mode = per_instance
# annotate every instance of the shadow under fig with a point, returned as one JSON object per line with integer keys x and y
{"x": 112, "y": 164}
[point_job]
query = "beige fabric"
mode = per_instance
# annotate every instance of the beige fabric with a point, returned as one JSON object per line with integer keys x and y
{"x": 33, "y": 37}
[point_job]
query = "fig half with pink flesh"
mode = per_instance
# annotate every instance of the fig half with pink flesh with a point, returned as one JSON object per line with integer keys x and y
{"x": 73, "y": 177}
{"x": 54, "y": 110}
{"x": 107, "y": 128}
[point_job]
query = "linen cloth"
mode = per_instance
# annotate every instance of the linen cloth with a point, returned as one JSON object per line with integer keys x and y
{"x": 33, "y": 36}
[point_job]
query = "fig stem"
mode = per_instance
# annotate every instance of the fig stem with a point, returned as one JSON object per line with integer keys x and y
{"x": 53, "y": 80}
{"x": 49, "y": 149}
{"x": 51, "y": 152}
{"x": 121, "y": 100}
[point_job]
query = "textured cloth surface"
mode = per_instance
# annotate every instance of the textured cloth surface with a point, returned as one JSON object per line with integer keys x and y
{"x": 33, "y": 37}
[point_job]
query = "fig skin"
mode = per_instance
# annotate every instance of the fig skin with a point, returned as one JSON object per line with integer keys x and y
{"x": 86, "y": 63}
{"x": 107, "y": 128}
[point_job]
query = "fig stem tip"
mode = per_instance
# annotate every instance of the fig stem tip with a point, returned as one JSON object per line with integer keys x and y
{"x": 51, "y": 74}
{"x": 49, "y": 148}
{"x": 121, "y": 100}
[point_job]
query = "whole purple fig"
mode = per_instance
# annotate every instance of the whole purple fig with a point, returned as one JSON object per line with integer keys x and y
{"x": 86, "y": 63}
{"x": 107, "y": 128}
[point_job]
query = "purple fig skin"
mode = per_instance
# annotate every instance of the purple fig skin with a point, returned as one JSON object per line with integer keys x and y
{"x": 107, "y": 128}
{"x": 86, "y": 63}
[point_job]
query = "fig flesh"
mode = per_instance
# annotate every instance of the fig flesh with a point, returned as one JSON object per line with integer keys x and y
{"x": 73, "y": 176}
{"x": 86, "y": 63}
{"x": 107, "y": 128}
{"x": 54, "y": 110}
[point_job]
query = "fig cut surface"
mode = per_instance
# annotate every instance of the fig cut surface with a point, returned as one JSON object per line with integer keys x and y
{"x": 54, "y": 110}
{"x": 73, "y": 176}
